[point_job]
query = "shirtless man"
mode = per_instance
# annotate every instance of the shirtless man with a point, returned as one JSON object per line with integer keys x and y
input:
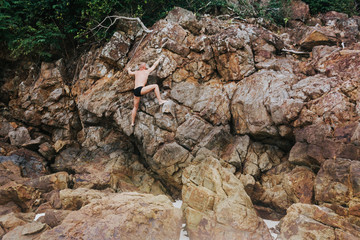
{"x": 141, "y": 77}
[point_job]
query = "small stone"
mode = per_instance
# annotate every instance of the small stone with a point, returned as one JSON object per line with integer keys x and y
{"x": 19, "y": 136}
{"x": 46, "y": 150}
{"x": 61, "y": 144}
{"x": 32, "y": 228}
{"x": 34, "y": 144}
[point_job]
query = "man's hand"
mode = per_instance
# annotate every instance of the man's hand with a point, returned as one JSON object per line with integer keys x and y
{"x": 157, "y": 61}
{"x": 155, "y": 65}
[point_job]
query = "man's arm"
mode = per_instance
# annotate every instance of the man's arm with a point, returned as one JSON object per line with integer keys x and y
{"x": 130, "y": 72}
{"x": 154, "y": 65}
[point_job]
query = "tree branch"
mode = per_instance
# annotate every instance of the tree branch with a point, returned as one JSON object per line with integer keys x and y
{"x": 295, "y": 52}
{"x": 113, "y": 20}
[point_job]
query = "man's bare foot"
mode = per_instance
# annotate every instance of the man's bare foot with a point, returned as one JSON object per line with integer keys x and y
{"x": 162, "y": 102}
{"x": 132, "y": 125}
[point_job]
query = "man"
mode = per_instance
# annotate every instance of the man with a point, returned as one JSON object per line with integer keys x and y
{"x": 141, "y": 77}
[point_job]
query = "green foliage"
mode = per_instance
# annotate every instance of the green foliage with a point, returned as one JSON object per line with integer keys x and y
{"x": 49, "y": 29}
{"x": 322, "y": 6}
{"x": 277, "y": 11}
{"x": 46, "y": 29}
{"x": 30, "y": 26}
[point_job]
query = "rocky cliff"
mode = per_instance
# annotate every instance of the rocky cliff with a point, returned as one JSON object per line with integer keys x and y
{"x": 261, "y": 122}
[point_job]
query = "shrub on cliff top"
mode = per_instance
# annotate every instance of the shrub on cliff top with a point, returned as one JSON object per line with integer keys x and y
{"x": 346, "y": 6}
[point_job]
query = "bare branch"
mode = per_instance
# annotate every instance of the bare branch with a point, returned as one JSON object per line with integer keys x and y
{"x": 113, "y": 20}
{"x": 295, "y": 52}
{"x": 205, "y": 5}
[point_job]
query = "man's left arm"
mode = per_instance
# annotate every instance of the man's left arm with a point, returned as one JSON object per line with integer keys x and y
{"x": 130, "y": 72}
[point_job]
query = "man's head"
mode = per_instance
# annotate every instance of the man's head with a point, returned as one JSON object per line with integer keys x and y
{"x": 142, "y": 66}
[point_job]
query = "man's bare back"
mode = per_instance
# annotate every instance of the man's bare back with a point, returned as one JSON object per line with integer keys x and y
{"x": 141, "y": 77}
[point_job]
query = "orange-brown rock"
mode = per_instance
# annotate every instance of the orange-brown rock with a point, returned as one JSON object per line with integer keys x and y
{"x": 30, "y": 163}
{"x": 299, "y": 10}
{"x": 305, "y": 221}
{"x": 45, "y": 102}
{"x": 216, "y": 205}
{"x": 11, "y": 221}
{"x": 27, "y": 193}
{"x": 116, "y": 169}
{"x": 48, "y": 183}
{"x": 337, "y": 183}
{"x": 24, "y": 196}
{"x": 29, "y": 231}
{"x": 343, "y": 63}
{"x": 9, "y": 171}
{"x": 54, "y": 218}
{"x": 315, "y": 37}
{"x": 125, "y": 215}
{"x": 284, "y": 185}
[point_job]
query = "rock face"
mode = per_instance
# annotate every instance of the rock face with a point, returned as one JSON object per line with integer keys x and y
{"x": 304, "y": 221}
{"x": 30, "y": 163}
{"x": 216, "y": 205}
{"x": 111, "y": 168}
{"x": 125, "y": 215}
{"x": 272, "y": 117}
{"x": 283, "y": 186}
{"x": 45, "y": 102}
{"x": 27, "y": 193}
{"x": 337, "y": 183}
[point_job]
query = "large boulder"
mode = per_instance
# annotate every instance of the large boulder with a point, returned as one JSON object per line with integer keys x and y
{"x": 262, "y": 101}
{"x": 115, "y": 51}
{"x": 30, "y": 163}
{"x": 169, "y": 160}
{"x": 125, "y": 215}
{"x": 27, "y": 193}
{"x": 216, "y": 205}
{"x": 305, "y": 221}
{"x": 283, "y": 186}
{"x": 310, "y": 36}
{"x": 337, "y": 183}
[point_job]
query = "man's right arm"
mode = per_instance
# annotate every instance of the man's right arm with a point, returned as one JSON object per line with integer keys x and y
{"x": 154, "y": 65}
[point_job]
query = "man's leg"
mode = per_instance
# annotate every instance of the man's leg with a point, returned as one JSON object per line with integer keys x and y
{"x": 150, "y": 88}
{"x": 134, "y": 111}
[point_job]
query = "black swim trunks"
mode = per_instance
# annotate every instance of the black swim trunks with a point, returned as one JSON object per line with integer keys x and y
{"x": 137, "y": 91}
